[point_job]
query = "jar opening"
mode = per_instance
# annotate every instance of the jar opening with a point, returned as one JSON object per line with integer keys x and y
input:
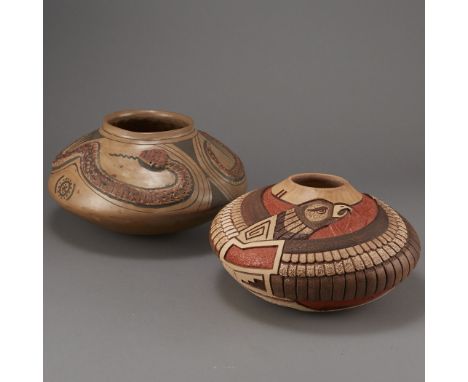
{"x": 148, "y": 123}
{"x": 317, "y": 181}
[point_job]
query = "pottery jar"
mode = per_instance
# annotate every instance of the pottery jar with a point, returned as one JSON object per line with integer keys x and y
{"x": 313, "y": 242}
{"x": 146, "y": 172}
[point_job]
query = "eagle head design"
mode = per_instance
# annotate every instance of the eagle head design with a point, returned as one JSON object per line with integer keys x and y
{"x": 320, "y": 213}
{"x": 303, "y": 220}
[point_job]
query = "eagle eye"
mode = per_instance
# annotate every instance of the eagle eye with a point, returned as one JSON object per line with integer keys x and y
{"x": 319, "y": 210}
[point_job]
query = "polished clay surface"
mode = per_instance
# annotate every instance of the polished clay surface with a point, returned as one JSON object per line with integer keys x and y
{"x": 146, "y": 172}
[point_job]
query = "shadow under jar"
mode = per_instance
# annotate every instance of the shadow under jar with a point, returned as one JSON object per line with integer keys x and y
{"x": 146, "y": 172}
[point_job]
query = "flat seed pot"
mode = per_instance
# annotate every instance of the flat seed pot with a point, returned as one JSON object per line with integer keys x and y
{"x": 146, "y": 172}
{"x": 313, "y": 242}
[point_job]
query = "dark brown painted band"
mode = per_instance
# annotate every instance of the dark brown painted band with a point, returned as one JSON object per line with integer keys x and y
{"x": 339, "y": 291}
{"x": 252, "y": 208}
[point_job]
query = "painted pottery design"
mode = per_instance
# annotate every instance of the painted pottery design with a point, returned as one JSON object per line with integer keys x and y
{"x": 313, "y": 242}
{"x": 146, "y": 172}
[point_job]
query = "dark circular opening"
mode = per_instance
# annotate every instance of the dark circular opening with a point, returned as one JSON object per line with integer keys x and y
{"x": 317, "y": 181}
{"x": 148, "y": 124}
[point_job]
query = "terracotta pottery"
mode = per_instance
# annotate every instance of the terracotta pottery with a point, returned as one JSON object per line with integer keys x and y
{"x": 313, "y": 242}
{"x": 146, "y": 172}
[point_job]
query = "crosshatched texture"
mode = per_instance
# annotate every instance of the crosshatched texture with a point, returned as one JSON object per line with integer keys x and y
{"x": 146, "y": 172}
{"x": 314, "y": 248}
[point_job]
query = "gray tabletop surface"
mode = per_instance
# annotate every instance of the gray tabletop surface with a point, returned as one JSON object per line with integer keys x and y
{"x": 301, "y": 86}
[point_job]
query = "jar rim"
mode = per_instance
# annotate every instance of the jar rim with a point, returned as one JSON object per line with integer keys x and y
{"x": 146, "y": 125}
{"x": 303, "y": 187}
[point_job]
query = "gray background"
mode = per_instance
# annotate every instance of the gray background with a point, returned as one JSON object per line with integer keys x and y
{"x": 329, "y": 86}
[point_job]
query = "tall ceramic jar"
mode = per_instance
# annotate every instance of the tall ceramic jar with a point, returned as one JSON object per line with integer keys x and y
{"x": 146, "y": 172}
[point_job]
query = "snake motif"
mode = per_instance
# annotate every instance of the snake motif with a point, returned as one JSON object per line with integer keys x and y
{"x": 153, "y": 160}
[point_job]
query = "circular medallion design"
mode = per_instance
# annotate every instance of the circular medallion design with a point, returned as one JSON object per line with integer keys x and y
{"x": 64, "y": 188}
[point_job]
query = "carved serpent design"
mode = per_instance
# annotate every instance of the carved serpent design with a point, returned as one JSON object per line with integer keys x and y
{"x": 153, "y": 160}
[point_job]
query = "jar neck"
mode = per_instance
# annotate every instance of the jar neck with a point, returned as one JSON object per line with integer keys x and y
{"x": 147, "y": 126}
{"x": 300, "y": 188}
